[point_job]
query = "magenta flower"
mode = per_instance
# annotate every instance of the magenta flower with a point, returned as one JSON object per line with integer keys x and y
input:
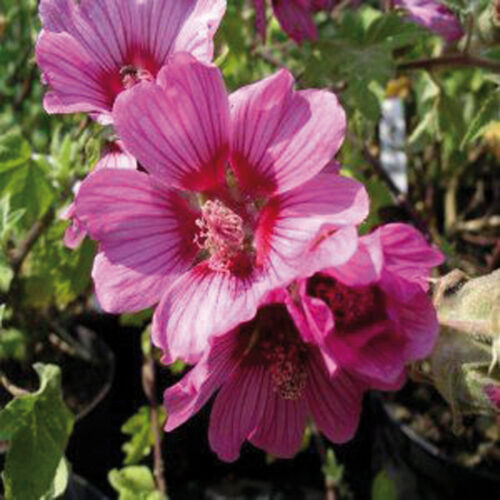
{"x": 231, "y": 206}
{"x": 270, "y": 382}
{"x": 294, "y": 16}
{"x": 372, "y": 315}
{"x": 114, "y": 157}
{"x": 91, "y": 51}
{"x": 433, "y": 15}
{"x": 492, "y": 391}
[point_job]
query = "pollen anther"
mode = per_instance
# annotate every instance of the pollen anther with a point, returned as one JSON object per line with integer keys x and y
{"x": 221, "y": 234}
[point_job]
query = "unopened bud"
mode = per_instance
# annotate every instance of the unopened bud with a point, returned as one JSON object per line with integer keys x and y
{"x": 489, "y": 23}
{"x": 495, "y": 12}
{"x": 470, "y": 306}
{"x": 460, "y": 367}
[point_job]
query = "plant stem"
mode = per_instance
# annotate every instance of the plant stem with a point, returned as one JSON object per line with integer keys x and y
{"x": 463, "y": 60}
{"x": 400, "y": 198}
{"x": 320, "y": 445}
{"x": 149, "y": 386}
{"x": 36, "y": 230}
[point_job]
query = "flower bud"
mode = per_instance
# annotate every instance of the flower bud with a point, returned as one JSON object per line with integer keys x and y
{"x": 470, "y": 305}
{"x": 460, "y": 367}
{"x": 464, "y": 363}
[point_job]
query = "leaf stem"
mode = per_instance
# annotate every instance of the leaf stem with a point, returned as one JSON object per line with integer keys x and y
{"x": 460, "y": 60}
{"x": 36, "y": 230}
{"x": 330, "y": 493}
{"x": 149, "y": 386}
{"x": 400, "y": 197}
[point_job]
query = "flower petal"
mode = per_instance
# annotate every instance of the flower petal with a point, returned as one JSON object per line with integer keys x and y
{"x": 145, "y": 232}
{"x": 117, "y": 33}
{"x": 188, "y": 396}
{"x": 283, "y": 138}
{"x": 237, "y": 410}
{"x": 364, "y": 267}
{"x": 295, "y": 19}
{"x": 74, "y": 234}
{"x": 72, "y": 74}
{"x": 196, "y": 36}
{"x": 96, "y": 25}
{"x": 115, "y": 156}
{"x": 312, "y": 317}
{"x": 294, "y": 222}
{"x": 407, "y": 254}
{"x": 374, "y": 352}
{"x": 335, "y": 402}
{"x": 110, "y": 30}
{"x": 281, "y": 427}
{"x": 418, "y": 322}
{"x": 435, "y": 16}
{"x": 178, "y": 128}
{"x": 260, "y": 17}
{"x": 203, "y": 303}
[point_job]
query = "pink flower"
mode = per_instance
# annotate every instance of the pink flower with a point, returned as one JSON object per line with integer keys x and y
{"x": 232, "y": 204}
{"x": 294, "y": 16}
{"x": 492, "y": 391}
{"x": 372, "y": 315}
{"x": 269, "y": 381}
{"x": 91, "y": 51}
{"x": 114, "y": 157}
{"x": 434, "y": 16}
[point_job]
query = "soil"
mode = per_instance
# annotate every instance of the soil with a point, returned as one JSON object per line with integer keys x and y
{"x": 422, "y": 409}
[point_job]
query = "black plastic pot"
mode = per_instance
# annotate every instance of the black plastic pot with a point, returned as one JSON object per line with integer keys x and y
{"x": 420, "y": 470}
{"x": 80, "y": 489}
{"x": 87, "y": 368}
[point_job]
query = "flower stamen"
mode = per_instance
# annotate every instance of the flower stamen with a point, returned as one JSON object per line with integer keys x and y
{"x": 221, "y": 234}
{"x": 131, "y": 75}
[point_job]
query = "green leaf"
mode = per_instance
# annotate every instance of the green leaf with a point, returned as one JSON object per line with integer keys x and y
{"x": 380, "y": 196}
{"x": 136, "y": 319}
{"x": 365, "y": 99}
{"x": 28, "y": 187}
{"x": 8, "y": 218}
{"x": 177, "y": 367}
{"x": 489, "y": 112}
{"x": 55, "y": 274}
{"x": 60, "y": 481}
{"x": 14, "y": 150}
{"x": 383, "y": 487}
{"x": 6, "y": 274}
{"x": 134, "y": 482}
{"x": 37, "y": 427}
{"x": 12, "y": 344}
{"x": 393, "y": 31}
{"x": 142, "y": 436}
{"x": 2, "y": 312}
{"x": 332, "y": 470}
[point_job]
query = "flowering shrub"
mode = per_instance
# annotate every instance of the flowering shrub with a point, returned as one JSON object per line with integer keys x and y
{"x": 227, "y": 188}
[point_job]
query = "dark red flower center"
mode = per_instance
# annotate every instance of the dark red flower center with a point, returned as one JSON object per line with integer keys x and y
{"x": 136, "y": 67}
{"x": 352, "y": 307}
{"x": 272, "y": 339}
